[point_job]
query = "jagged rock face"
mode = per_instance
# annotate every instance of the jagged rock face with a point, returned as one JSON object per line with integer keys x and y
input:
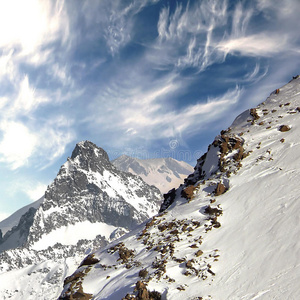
{"x": 89, "y": 188}
{"x": 223, "y": 155}
{"x": 19, "y": 232}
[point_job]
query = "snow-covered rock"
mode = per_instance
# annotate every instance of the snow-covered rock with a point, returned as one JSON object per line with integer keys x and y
{"x": 14, "y": 219}
{"x": 89, "y": 204}
{"x": 231, "y": 231}
{"x": 164, "y": 173}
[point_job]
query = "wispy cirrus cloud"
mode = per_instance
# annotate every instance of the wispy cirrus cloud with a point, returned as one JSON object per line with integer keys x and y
{"x": 24, "y": 132}
{"x": 276, "y": 35}
{"x": 142, "y": 110}
{"x": 154, "y": 125}
{"x": 188, "y": 34}
{"x": 114, "y": 21}
{"x": 197, "y": 35}
{"x": 254, "y": 45}
{"x": 27, "y": 137}
{"x": 245, "y": 41}
{"x": 18, "y": 143}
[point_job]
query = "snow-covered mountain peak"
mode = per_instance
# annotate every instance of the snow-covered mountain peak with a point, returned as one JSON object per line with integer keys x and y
{"x": 87, "y": 151}
{"x": 88, "y": 157}
{"x": 164, "y": 173}
{"x": 103, "y": 193}
{"x": 89, "y": 204}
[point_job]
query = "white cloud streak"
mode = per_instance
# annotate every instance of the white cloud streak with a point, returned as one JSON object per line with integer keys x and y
{"x": 193, "y": 117}
{"x": 254, "y": 45}
{"x": 27, "y": 100}
{"x": 40, "y": 143}
{"x": 28, "y": 33}
{"x": 17, "y": 145}
{"x": 271, "y": 40}
{"x": 35, "y": 190}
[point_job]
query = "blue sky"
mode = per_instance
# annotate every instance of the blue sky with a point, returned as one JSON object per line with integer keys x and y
{"x": 146, "y": 78}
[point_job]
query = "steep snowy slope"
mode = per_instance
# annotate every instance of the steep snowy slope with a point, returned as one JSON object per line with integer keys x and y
{"x": 230, "y": 232}
{"x": 14, "y": 219}
{"x": 164, "y": 173}
{"x": 89, "y": 204}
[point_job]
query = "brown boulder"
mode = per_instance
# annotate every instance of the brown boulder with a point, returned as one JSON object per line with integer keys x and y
{"x": 188, "y": 192}
{"x": 213, "y": 211}
{"x": 89, "y": 260}
{"x": 199, "y": 253}
{"x": 143, "y": 273}
{"x": 189, "y": 264}
{"x": 284, "y": 128}
{"x": 220, "y": 189}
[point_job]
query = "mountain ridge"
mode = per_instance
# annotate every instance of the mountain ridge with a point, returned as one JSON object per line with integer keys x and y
{"x": 13, "y": 220}
{"x": 164, "y": 173}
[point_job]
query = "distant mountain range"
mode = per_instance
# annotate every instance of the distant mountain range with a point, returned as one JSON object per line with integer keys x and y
{"x": 164, "y": 173}
{"x": 230, "y": 232}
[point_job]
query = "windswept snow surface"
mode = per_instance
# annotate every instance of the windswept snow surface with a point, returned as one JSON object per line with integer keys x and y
{"x": 259, "y": 238}
{"x": 255, "y": 252}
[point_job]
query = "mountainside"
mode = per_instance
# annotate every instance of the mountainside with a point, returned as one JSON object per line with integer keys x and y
{"x": 164, "y": 173}
{"x": 229, "y": 232}
{"x": 14, "y": 219}
{"x": 89, "y": 203}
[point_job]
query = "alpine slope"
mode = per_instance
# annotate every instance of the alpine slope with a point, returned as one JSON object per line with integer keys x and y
{"x": 231, "y": 231}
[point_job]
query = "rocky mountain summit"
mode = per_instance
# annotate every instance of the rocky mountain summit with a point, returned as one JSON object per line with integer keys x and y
{"x": 164, "y": 173}
{"x": 229, "y": 232}
{"x": 89, "y": 204}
